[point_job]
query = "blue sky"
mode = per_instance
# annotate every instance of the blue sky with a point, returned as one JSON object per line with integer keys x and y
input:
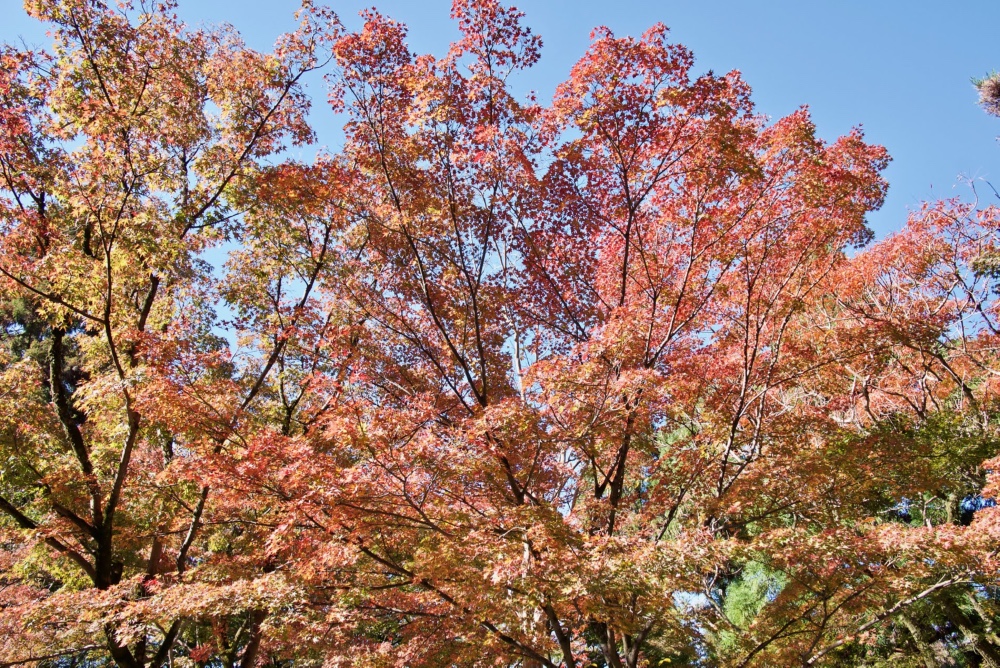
{"x": 899, "y": 69}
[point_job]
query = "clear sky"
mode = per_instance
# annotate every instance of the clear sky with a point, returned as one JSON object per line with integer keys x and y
{"x": 899, "y": 68}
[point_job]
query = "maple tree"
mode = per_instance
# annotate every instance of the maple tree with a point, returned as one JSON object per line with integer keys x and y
{"x": 598, "y": 382}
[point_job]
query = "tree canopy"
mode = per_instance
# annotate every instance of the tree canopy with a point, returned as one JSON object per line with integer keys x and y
{"x": 619, "y": 381}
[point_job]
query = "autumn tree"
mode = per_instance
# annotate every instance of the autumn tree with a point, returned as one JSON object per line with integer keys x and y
{"x": 118, "y": 151}
{"x": 598, "y": 382}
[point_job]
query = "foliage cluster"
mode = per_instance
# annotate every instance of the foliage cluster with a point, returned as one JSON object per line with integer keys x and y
{"x": 616, "y": 381}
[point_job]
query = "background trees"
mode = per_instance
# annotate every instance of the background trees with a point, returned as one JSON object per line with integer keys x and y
{"x": 497, "y": 384}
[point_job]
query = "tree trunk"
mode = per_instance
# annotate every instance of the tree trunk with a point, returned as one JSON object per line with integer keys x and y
{"x": 990, "y": 653}
{"x": 926, "y": 653}
{"x": 253, "y": 644}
